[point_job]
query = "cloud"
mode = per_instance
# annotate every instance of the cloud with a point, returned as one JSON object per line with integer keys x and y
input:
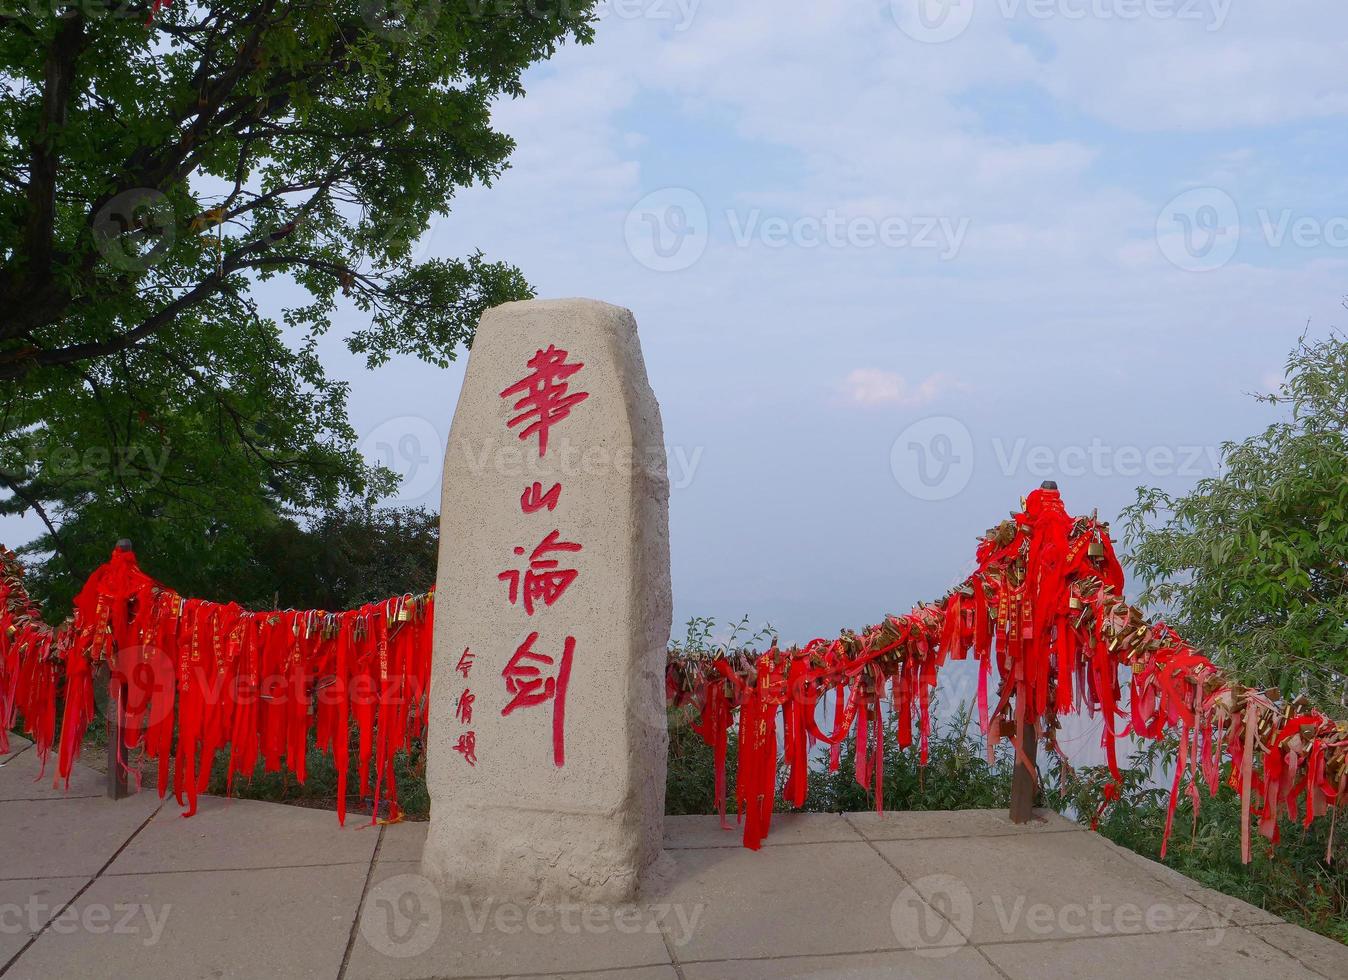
{"x": 872, "y": 386}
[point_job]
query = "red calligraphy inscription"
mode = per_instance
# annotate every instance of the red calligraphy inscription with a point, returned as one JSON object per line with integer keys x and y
{"x": 467, "y": 747}
{"x": 465, "y": 663}
{"x": 543, "y": 579}
{"x": 528, "y": 687}
{"x": 463, "y": 707}
{"x": 534, "y": 499}
{"x": 546, "y": 396}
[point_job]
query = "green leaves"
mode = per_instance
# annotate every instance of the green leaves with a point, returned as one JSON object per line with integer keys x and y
{"x": 152, "y": 177}
{"x": 1252, "y": 566}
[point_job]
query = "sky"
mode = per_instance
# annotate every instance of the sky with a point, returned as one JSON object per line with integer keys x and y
{"x": 894, "y": 264}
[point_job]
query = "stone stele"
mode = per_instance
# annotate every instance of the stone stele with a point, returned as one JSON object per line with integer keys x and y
{"x": 547, "y": 727}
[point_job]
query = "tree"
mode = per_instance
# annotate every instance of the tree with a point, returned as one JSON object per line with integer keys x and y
{"x": 152, "y": 176}
{"x": 1252, "y": 565}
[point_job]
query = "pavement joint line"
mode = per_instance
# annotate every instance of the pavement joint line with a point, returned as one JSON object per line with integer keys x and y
{"x": 669, "y": 950}
{"x": 203, "y": 871}
{"x": 76, "y": 897}
{"x": 14, "y": 755}
{"x": 550, "y": 973}
{"x": 55, "y": 799}
{"x": 1049, "y": 828}
{"x": 360, "y": 904}
{"x": 1212, "y": 905}
{"x": 1031, "y": 941}
{"x": 837, "y": 954}
{"x": 1249, "y": 931}
{"x": 739, "y": 845}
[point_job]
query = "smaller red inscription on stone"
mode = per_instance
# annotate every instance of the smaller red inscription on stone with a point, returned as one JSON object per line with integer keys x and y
{"x": 465, "y": 663}
{"x": 463, "y": 707}
{"x": 467, "y": 747}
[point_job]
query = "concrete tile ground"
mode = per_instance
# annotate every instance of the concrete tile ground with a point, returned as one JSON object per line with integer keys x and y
{"x": 251, "y": 890}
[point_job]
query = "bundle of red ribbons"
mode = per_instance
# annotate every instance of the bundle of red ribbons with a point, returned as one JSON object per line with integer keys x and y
{"x": 1045, "y": 608}
{"x": 253, "y": 684}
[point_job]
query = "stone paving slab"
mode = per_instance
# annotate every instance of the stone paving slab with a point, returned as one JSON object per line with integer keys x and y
{"x": 1318, "y": 952}
{"x": 1052, "y": 885}
{"x": 21, "y": 778}
{"x": 407, "y": 931}
{"x": 1218, "y": 953}
{"x": 230, "y": 924}
{"x": 17, "y": 743}
{"x": 965, "y": 964}
{"x": 28, "y": 904}
{"x": 806, "y": 900}
{"x": 403, "y": 841}
{"x": 61, "y": 837}
{"x": 284, "y": 891}
{"x": 239, "y": 834}
{"x": 1233, "y": 910}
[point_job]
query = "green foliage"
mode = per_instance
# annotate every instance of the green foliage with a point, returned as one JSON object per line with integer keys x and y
{"x": 152, "y": 178}
{"x": 1252, "y": 565}
{"x": 319, "y": 788}
{"x": 957, "y": 775}
{"x": 690, "y": 780}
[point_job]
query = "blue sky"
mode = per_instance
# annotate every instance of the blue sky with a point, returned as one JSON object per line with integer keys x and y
{"x": 1105, "y": 222}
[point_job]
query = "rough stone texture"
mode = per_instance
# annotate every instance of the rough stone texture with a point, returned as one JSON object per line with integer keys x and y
{"x": 516, "y": 825}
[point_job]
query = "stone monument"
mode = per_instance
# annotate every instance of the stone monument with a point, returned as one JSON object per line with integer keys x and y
{"x": 547, "y": 728}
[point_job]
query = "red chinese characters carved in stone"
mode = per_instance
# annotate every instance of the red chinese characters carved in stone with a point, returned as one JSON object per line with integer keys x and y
{"x": 465, "y": 663}
{"x": 528, "y": 687}
{"x": 543, "y": 579}
{"x": 546, "y": 398}
{"x": 467, "y": 747}
{"x": 534, "y": 499}
{"x": 463, "y": 707}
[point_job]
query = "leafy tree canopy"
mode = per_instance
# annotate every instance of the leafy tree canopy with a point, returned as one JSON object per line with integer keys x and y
{"x": 1252, "y": 566}
{"x": 153, "y": 176}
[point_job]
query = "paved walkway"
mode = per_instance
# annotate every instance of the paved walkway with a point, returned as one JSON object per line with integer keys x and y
{"x": 244, "y": 889}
